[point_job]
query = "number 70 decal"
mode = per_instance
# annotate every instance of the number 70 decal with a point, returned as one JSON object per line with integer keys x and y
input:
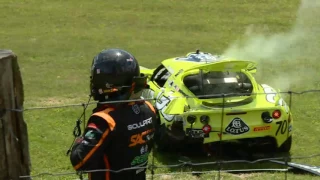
{"x": 282, "y": 127}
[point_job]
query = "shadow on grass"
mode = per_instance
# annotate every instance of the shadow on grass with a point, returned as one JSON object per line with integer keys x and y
{"x": 225, "y": 158}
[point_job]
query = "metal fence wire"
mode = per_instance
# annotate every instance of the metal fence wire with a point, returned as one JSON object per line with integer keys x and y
{"x": 187, "y": 163}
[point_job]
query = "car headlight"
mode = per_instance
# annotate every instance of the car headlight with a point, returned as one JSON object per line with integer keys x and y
{"x": 191, "y": 119}
{"x": 204, "y": 119}
{"x": 266, "y": 117}
{"x": 206, "y": 129}
{"x": 276, "y": 114}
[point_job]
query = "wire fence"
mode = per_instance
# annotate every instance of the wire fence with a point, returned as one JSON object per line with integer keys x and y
{"x": 186, "y": 164}
{"x": 153, "y": 167}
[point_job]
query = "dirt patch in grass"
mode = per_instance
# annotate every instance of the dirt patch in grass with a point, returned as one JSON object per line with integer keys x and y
{"x": 54, "y": 101}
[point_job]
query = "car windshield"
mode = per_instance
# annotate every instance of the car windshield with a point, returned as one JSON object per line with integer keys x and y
{"x": 215, "y": 83}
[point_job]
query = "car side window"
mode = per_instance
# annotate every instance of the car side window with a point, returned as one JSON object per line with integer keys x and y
{"x": 160, "y": 75}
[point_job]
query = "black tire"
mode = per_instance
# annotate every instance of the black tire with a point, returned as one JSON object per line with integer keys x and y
{"x": 162, "y": 139}
{"x": 169, "y": 140}
{"x": 286, "y": 146}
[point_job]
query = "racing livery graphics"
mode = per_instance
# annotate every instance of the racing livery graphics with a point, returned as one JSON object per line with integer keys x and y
{"x": 211, "y": 98}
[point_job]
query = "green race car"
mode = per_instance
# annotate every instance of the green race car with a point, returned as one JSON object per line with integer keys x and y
{"x": 206, "y": 98}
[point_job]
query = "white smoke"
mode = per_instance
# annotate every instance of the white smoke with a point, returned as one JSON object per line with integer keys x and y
{"x": 285, "y": 60}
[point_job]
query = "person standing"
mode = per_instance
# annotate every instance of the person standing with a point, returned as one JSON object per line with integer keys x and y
{"x": 118, "y": 135}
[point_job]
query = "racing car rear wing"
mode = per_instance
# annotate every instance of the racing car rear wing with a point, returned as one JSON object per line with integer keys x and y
{"x": 227, "y": 65}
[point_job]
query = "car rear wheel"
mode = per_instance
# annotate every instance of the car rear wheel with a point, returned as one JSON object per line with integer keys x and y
{"x": 162, "y": 139}
{"x": 167, "y": 140}
{"x": 286, "y": 146}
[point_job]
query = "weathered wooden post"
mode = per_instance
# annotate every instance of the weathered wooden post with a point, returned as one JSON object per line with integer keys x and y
{"x": 14, "y": 148}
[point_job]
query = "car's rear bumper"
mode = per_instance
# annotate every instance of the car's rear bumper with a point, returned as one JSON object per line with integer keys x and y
{"x": 259, "y": 135}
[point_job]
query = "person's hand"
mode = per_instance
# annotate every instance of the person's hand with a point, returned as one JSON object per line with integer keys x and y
{"x": 79, "y": 140}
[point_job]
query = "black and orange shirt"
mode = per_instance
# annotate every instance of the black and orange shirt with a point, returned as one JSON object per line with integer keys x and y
{"x": 116, "y": 137}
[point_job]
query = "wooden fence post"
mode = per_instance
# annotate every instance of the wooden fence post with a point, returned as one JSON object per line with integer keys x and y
{"x": 14, "y": 147}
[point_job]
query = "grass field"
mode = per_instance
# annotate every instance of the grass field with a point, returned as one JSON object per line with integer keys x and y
{"x": 56, "y": 40}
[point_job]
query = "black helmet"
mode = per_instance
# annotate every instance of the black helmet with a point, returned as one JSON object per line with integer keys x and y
{"x": 115, "y": 74}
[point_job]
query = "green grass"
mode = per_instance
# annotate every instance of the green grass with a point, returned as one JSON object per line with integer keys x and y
{"x": 56, "y": 40}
